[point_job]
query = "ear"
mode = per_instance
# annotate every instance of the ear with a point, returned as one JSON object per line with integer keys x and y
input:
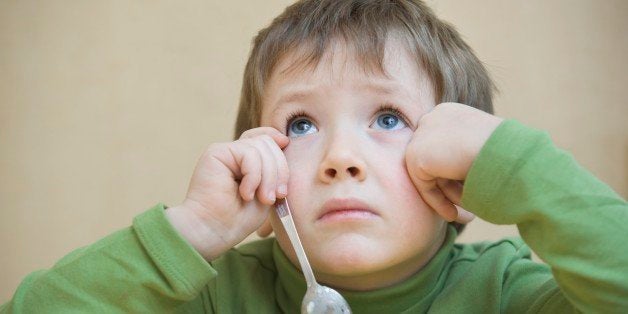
{"x": 265, "y": 229}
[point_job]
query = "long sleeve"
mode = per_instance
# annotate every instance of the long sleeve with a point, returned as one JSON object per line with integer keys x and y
{"x": 573, "y": 221}
{"x": 144, "y": 268}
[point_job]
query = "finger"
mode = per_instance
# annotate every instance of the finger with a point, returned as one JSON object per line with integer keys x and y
{"x": 265, "y": 229}
{"x": 281, "y": 139}
{"x": 427, "y": 186}
{"x": 283, "y": 172}
{"x": 434, "y": 197}
{"x": 452, "y": 189}
{"x": 266, "y": 190}
{"x": 250, "y": 164}
{"x": 228, "y": 155}
{"x": 464, "y": 216}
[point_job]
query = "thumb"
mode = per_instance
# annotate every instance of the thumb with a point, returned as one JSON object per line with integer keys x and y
{"x": 265, "y": 229}
{"x": 453, "y": 191}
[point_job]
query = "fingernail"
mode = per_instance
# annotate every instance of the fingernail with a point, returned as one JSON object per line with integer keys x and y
{"x": 271, "y": 196}
{"x": 282, "y": 189}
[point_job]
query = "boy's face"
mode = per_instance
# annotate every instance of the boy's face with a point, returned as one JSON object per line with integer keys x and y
{"x": 360, "y": 218}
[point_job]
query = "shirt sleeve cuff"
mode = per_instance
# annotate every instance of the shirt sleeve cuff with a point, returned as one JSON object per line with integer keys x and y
{"x": 174, "y": 256}
{"x": 495, "y": 168}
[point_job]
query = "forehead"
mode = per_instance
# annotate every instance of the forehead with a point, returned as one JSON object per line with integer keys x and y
{"x": 340, "y": 68}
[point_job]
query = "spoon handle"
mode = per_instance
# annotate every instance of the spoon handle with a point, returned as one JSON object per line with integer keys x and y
{"x": 286, "y": 219}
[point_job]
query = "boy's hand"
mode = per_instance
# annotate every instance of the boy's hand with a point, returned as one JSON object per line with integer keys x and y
{"x": 231, "y": 190}
{"x": 440, "y": 154}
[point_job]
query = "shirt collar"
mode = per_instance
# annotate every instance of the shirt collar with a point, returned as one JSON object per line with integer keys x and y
{"x": 415, "y": 293}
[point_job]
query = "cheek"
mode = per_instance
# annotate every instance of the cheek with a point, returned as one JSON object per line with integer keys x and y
{"x": 406, "y": 193}
{"x": 394, "y": 178}
{"x": 419, "y": 219}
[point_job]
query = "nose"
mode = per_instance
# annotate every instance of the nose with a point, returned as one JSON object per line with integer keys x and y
{"x": 342, "y": 160}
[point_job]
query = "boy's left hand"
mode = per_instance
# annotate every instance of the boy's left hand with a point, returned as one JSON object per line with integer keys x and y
{"x": 441, "y": 152}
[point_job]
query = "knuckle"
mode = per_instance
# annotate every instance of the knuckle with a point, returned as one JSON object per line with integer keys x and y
{"x": 244, "y": 141}
{"x": 254, "y": 151}
{"x": 254, "y": 147}
{"x": 258, "y": 132}
{"x": 214, "y": 147}
{"x": 256, "y": 176}
{"x": 267, "y": 129}
{"x": 267, "y": 139}
{"x": 250, "y": 160}
{"x": 255, "y": 141}
{"x": 253, "y": 174}
{"x": 271, "y": 179}
{"x": 247, "y": 133}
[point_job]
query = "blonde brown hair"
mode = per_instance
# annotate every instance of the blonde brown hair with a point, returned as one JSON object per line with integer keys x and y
{"x": 310, "y": 26}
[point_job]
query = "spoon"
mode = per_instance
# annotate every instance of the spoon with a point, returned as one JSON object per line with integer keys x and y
{"x": 318, "y": 298}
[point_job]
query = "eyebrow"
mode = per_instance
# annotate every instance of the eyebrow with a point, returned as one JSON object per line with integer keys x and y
{"x": 384, "y": 89}
{"x": 297, "y": 96}
{"x": 303, "y": 94}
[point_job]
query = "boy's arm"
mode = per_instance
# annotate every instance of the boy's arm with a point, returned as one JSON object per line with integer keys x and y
{"x": 574, "y": 222}
{"x": 160, "y": 263}
{"x": 148, "y": 267}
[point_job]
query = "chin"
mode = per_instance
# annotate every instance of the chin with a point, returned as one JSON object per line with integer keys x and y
{"x": 348, "y": 256}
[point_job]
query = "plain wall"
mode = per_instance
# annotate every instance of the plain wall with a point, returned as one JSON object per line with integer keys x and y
{"x": 105, "y": 106}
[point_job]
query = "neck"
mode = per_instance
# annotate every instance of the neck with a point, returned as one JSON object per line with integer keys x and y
{"x": 385, "y": 277}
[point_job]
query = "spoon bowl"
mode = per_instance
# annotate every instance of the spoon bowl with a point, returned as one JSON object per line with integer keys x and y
{"x": 322, "y": 299}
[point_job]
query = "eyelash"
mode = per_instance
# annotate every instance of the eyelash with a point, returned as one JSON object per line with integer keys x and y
{"x": 295, "y": 115}
{"x": 388, "y": 108}
{"x": 385, "y": 108}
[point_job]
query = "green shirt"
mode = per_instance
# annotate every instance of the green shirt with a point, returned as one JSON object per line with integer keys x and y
{"x": 574, "y": 222}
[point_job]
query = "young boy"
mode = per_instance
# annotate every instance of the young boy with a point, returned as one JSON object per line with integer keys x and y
{"x": 347, "y": 109}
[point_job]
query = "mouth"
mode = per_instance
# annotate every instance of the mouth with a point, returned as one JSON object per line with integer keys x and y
{"x": 342, "y": 209}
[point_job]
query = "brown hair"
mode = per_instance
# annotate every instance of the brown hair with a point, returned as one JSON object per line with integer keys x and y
{"x": 310, "y": 26}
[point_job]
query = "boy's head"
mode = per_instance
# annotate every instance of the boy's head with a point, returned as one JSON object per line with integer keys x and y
{"x": 348, "y": 81}
{"x": 310, "y": 27}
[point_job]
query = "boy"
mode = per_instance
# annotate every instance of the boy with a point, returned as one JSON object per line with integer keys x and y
{"x": 339, "y": 113}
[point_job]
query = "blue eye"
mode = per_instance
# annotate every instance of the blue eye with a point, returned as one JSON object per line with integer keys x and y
{"x": 300, "y": 127}
{"x": 388, "y": 121}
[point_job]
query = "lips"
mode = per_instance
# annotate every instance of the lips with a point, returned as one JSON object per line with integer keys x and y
{"x": 345, "y": 206}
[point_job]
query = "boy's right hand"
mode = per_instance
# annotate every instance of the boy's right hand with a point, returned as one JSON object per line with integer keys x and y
{"x": 231, "y": 191}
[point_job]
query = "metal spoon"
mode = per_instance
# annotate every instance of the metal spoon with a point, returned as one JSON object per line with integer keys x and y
{"x": 318, "y": 298}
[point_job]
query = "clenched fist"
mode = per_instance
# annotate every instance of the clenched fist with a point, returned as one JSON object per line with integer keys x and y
{"x": 231, "y": 191}
{"x": 441, "y": 152}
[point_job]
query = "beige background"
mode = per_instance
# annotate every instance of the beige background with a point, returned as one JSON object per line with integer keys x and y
{"x": 106, "y": 105}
